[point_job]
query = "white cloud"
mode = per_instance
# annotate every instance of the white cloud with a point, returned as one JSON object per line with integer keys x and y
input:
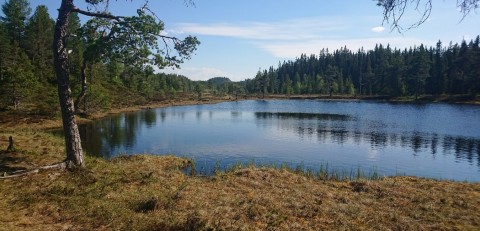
{"x": 378, "y": 29}
{"x": 297, "y": 29}
{"x": 200, "y": 73}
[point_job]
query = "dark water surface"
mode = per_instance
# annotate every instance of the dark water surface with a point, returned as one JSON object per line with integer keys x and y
{"x": 432, "y": 140}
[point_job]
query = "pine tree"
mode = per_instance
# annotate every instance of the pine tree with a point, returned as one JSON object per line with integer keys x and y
{"x": 16, "y": 14}
{"x": 462, "y": 68}
{"x": 438, "y": 86}
{"x": 17, "y": 83}
{"x": 476, "y": 67}
{"x": 4, "y": 50}
{"x": 420, "y": 70}
{"x": 332, "y": 75}
{"x": 135, "y": 36}
{"x": 396, "y": 72}
{"x": 4, "y": 55}
{"x": 369, "y": 75}
{"x": 39, "y": 34}
{"x": 16, "y": 70}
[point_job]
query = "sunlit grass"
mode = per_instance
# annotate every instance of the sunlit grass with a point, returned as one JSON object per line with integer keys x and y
{"x": 152, "y": 193}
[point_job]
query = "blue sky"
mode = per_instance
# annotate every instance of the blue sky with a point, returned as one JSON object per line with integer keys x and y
{"x": 239, "y": 37}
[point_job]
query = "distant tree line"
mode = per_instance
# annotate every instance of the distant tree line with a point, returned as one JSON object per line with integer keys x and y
{"x": 387, "y": 71}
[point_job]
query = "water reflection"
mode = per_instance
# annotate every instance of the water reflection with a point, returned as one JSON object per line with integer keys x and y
{"x": 115, "y": 134}
{"x": 236, "y": 114}
{"x": 301, "y": 116}
{"x": 328, "y": 131}
{"x": 149, "y": 116}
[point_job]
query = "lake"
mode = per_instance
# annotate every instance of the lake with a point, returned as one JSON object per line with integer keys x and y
{"x": 430, "y": 140}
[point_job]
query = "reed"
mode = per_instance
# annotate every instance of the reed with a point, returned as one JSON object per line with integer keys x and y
{"x": 323, "y": 172}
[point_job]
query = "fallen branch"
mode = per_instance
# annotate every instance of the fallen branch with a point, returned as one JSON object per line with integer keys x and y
{"x": 60, "y": 166}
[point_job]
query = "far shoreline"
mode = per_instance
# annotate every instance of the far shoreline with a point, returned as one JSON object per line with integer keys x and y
{"x": 17, "y": 119}
{"x": 454, "y": 99}
{"x": 461, "y": 99}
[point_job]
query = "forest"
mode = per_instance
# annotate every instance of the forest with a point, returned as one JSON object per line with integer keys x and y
{"x": 28, "y": 83}
{"x": 27, "y": 77}
{"x": 385, "y": 71}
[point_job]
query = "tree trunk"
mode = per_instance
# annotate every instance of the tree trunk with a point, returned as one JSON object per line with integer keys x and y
{"x": 15, "y": 100}
{"x": 72, "y": 136}
{"x": 81, "y": 96}
{"x": 360, "y": 85}
{"x": 416, "y": 88}
{"x": 11, "y": 146}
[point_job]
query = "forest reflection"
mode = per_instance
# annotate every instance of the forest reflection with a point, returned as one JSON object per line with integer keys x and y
{"x": 329, "y": 128}
{"x": 301, "y": 115}
{"x": 104, "y": 137}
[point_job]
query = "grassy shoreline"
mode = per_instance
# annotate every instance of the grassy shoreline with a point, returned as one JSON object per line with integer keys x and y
{"x": 151, "y": 193}
{"x": 146, "y": 192}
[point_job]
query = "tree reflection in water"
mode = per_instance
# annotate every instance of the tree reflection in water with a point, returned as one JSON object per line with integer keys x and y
{"x": 105, "y": 137}
{"x": 327, "y": 130}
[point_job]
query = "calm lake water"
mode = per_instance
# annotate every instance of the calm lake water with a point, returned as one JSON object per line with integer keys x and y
{"x": 432, "y": 140}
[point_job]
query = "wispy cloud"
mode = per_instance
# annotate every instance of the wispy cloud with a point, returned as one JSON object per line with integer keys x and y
{"x": 297, "y": 29}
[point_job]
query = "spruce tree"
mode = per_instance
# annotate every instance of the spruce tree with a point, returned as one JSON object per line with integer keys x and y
{"x": 15, "y": 67}
{"x": 17, "y": 83}
{"x": 39, "y": 34}
{"x": 16, "y": 14}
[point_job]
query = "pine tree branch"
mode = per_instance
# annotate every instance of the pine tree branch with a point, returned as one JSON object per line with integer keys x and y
{"x": 98, "y": 15}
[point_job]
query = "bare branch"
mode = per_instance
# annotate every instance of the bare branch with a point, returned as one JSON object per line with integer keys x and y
{"x": 394, "y": 10}
{"x": 61, "y": 166}
{"x": 466, "y": 6}
{"x": 98, "y": 14}
{"x": 189, "y": 3}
